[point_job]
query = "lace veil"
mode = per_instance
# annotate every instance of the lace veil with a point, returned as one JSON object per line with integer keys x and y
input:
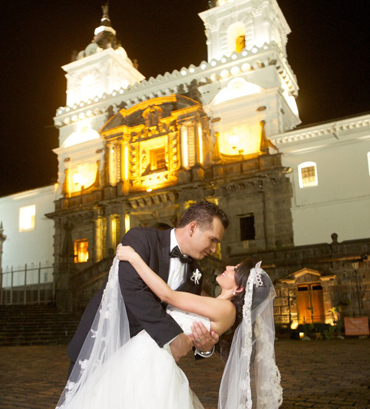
{"x": 109, "y": 331}
{"x": 251, "y": 378}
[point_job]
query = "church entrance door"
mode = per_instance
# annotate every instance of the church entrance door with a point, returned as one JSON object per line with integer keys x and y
{"x": 310, "y": 303}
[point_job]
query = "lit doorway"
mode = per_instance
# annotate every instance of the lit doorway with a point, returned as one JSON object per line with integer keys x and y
{"x": 310, "y": 303}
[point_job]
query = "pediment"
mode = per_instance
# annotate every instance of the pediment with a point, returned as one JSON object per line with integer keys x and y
{"x": 306, "y": 271}
{"x": 306, "y": 275}
{"x": 137, "y": 114}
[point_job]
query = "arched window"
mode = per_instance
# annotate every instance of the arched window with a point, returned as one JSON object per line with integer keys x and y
{"x": 307, "y": 174}
{"x": 236, "y": 37}
{"x": 240, "y": 35}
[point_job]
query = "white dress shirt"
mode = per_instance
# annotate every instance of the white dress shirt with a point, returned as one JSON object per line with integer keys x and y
{"x": 176, "y": 277}
{"x": 177, "y": 269}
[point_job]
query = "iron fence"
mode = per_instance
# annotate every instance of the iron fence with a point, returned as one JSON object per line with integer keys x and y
{"x": 30, "y": 285}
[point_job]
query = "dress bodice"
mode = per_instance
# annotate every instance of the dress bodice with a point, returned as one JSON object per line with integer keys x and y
{"x": 185, "y": 319}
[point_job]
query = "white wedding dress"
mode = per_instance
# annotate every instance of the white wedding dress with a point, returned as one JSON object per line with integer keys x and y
{"x": 141, "y": 375}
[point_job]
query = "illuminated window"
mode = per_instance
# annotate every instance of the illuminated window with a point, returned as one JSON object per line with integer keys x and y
{"x": 81, "y": 251}
{"x": 247, "y": 230}
{"x": 27, "y": 218}
{"x": 307, "y": 173}
{"x": 157, "y": 159}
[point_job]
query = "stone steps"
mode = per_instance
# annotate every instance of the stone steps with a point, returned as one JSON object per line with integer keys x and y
{"x": 36, "y": 325}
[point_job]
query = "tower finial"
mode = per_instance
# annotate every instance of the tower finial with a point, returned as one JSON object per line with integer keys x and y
{"x": 105, "y": 35}
{"x": 105, "y": 9}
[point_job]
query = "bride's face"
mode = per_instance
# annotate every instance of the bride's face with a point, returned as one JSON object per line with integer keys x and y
{"x": 226, "y": 280}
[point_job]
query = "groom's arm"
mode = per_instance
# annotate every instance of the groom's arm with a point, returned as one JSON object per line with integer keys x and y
{"x": 142, "y": 305}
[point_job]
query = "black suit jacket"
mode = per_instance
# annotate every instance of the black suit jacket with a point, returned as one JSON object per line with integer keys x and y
{"x": 144, "y": 309}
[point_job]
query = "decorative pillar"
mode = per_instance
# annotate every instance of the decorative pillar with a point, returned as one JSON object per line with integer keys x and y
{"x": 184, "y": 147}
{"x": 196, "y": 143}
{"x": 122, "y": 225}
{"x": 66, "y": 269}
{"x": 106, "y": 164}
{"x": 108, "y": 237}
{"x": 197, "y": 171}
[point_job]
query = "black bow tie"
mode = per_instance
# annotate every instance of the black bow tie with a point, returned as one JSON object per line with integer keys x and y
{"x": 176, "y": 253}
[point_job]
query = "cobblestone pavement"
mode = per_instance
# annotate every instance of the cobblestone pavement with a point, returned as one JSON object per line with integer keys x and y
{"x": 317, "y": 374}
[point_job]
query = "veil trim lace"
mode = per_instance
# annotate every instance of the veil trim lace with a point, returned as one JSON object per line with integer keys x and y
{"x": 109, "y": 331}
{"x": 251, "y": 378}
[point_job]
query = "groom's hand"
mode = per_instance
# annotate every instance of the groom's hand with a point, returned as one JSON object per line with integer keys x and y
{"x": 203, "y": 340}
{"x": 180, "y": 346}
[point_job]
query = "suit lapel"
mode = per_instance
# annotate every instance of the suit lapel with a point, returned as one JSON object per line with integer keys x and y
{"x": 164, "y": 255}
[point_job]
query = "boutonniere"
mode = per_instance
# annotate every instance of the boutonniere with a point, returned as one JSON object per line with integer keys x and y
{"x": 197, "y": 275}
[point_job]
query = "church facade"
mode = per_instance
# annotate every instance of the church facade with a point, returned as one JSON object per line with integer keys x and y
{"x": 136, "y": 152}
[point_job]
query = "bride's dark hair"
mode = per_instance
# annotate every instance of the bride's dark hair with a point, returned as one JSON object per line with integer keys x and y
{"x": 242, "y": 272}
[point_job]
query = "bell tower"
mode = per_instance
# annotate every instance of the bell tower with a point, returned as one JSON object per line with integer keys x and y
{"x": 246, "y": 41}
{"x": 102, "y": 67}
{"x": 232, "y": 25}
{"x": 95, "y": 76}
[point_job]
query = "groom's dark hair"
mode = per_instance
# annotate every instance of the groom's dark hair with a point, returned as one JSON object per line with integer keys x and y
{"x": 203, "y": 213}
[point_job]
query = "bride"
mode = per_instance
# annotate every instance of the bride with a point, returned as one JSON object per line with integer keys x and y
{"x": 115, "y": 371}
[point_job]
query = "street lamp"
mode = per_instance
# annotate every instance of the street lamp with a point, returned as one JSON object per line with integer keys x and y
{"x": 355, "y": 266}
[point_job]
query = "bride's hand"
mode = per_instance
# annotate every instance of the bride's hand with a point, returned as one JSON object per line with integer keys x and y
{"x": 125, "y": 253}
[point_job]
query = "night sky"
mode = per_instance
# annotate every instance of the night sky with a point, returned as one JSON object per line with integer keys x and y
{"x": 328, "y": 50}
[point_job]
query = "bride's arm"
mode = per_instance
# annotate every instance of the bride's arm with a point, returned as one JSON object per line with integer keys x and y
{"x": 220, "y": 312}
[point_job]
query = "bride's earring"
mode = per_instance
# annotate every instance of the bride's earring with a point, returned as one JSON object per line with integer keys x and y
{"x": 234, "y": 293}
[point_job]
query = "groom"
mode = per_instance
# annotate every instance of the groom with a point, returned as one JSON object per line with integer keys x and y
{"x": 172, "y": 254}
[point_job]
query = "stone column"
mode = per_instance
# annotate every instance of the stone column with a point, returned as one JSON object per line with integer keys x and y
{"x": 196, "y": 143}
{"x": 183, "y": 146}
{"x": 197, "y": 171}
{"x": 108, "y": 236}
{"x": 122, "y": 225}
{"x": 66, "y": 268}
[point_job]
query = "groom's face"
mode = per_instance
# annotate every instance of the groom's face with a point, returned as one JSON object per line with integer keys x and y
{"x": 203, "y": 241}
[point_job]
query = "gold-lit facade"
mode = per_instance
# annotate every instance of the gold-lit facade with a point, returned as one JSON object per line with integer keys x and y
{"x": 137, "y": 152}
{"x": 160, "y": 156}
{"x": 147, "y": 145}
